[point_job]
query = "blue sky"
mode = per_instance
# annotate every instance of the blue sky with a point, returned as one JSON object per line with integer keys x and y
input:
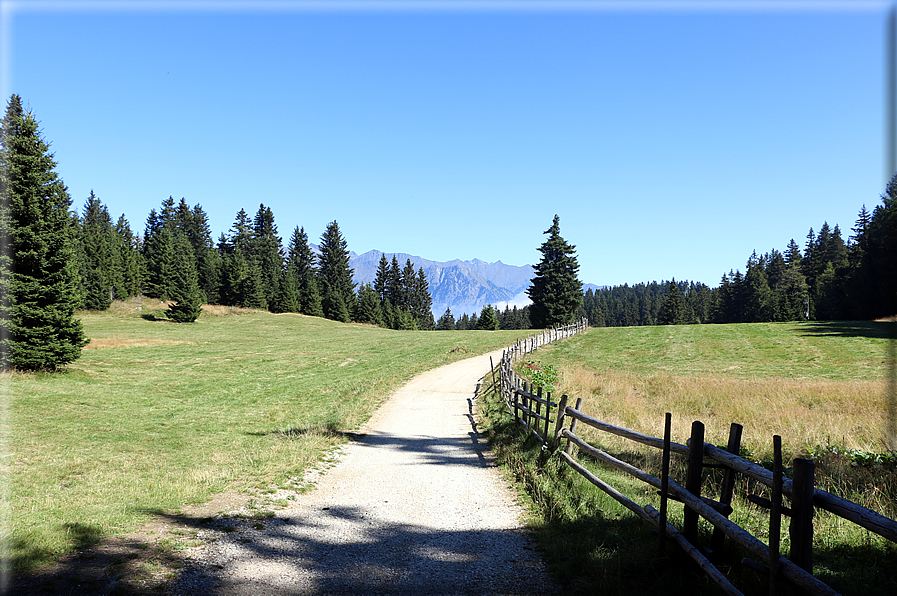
{"x": 672, "y": 138}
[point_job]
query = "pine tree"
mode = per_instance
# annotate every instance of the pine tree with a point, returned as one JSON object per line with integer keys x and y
{"x": 881, "y": 260}
{"x": 301, "y": 255}
{"x": 41, "y": 293}
{"x": 487, "y": 320}
{"x": 158, "y": 252}
{"x": 310, "y": 298}
{"x": 253, "y": 288}
{"x": 208, "y": 261}
{"x": 446, "y": 321}
{"x": 394, "y": 291}
{"x": 128, "y": 247}
{"x": 368, "y": 309}
{"x": 287, "y": 299}
{"x": 409, "y": 284}
{"x": 422, "y": 303}
{"x": 381, "y": 280}
{"x": 335, "y": 275}
{"x": 758, "y": 304}
{"x": 673, "y": 310}
{"x": 185, "y": 287}
{"x": 266, "y": 250}
{"x": 101, "y": 263}
{"x": 556, "y": 291}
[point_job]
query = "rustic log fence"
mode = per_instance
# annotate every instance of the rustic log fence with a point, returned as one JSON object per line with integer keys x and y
{"x": 533, "y": 408}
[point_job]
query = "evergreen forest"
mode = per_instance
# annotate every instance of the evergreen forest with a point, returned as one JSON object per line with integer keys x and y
{"x": 829, "y": 278}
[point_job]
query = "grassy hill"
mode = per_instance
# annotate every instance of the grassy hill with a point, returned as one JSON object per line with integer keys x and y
{"x": 156, "y": 415}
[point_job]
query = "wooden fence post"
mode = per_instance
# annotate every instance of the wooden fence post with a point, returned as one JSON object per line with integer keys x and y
{"x": 728, "y": 488}
{"x": 545, "y": 437}
{"x": 664, "y": 483}
{"x": 573, "y": 425}
{"x": 803, "y": 490}
{"x": 693, "y": 480}
{"x": 524, "y": 401}
{"x": 775, "y": 515}
{"x": 559, "y": 423}
{"x": 535, "y": 425}
{"x": 516, "y": 404}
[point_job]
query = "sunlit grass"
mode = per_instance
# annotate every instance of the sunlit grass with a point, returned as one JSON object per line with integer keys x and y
{"x": 814, "y": 384}
{"x": 155, "y": 415}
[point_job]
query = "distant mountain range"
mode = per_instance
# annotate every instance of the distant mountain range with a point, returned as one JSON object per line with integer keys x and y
{"x": 462, "y": 286}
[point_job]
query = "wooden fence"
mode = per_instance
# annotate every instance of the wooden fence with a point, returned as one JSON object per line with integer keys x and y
{"x": 547, "y": 419}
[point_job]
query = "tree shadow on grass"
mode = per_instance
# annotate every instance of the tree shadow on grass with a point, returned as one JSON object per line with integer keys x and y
{"x": 850, "y": 329}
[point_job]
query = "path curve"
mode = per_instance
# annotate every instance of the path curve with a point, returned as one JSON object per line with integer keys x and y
{"x": 415, "y": 506}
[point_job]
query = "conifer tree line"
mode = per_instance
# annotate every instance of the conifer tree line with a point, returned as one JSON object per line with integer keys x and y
{"x": 828, "y": 279}
{"x": 489, "y": 319}
{"x": 248, "y": 266}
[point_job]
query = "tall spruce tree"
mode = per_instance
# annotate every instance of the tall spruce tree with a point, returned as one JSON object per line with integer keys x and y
{"x": 266, "y": 251}
{"x": 423, "y": 302}
{"x": 41, "y": 292}
{"x": 158, "y": 251}
{"x": 381, "y": 280}
{"x": 307, "y": 274}
{"x": 556, "y": 291}
{"x": 101, "y": 263}
{"x": 185, "y": 287}
{"x": 488, "y": 321}
{"x": 128, "y": 247}
{"x": 368, "y": 306}
{"x": 673, "y": 310}
{"x": 337, "y": 287}
{"x": 446, "y": 321}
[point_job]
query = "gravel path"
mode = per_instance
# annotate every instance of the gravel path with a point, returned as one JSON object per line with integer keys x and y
{"x": 415, "y": 506}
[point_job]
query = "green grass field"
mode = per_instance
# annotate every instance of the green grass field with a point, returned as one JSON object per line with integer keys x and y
{"x": 815, "y": 384}
{"x": 156, "y": 415}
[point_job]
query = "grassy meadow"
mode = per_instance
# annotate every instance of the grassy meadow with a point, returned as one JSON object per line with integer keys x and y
{"x": 156, "y": 415}
{"x": 818, "y": 385}
{"x": 814, "y": 384}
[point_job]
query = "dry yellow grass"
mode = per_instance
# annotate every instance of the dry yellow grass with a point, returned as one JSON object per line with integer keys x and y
{"x": 141, "y": 306}
{"x": 104, "y": 343}
{"x": 805, "y": 413}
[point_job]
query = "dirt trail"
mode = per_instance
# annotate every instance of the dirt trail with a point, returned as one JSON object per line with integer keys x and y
{"x": 415, "y": 506}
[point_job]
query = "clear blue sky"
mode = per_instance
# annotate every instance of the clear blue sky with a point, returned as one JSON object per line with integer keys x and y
{"x": 672, "y": 139}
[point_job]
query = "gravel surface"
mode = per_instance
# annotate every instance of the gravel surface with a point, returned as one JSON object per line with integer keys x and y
{"x": 414, "y": 506}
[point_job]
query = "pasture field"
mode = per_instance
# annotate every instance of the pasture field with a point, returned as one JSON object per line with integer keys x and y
{"x": 814, "y": 384}
{"x": 157, "y": 415}
{"x": 821, "y": 386}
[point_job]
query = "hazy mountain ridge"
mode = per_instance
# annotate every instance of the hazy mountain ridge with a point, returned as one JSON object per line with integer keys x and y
{"x": 462, "y": 286}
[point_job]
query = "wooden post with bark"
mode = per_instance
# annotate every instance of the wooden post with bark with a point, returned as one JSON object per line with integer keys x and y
{"x": 801, "y": 531}
{"x": 693, "y": 480}
{"x": 728, "y": 488}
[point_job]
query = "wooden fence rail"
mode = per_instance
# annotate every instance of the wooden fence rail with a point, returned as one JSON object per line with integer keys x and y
{"x": 533, "y": 409}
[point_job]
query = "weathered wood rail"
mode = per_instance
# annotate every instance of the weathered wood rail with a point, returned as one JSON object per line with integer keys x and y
{"x": 533, "y": 409}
